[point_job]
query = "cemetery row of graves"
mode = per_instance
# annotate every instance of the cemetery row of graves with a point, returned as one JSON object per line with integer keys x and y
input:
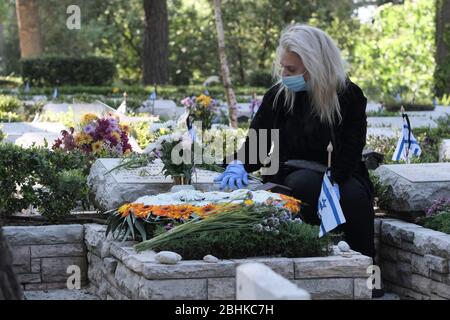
{"x": 89, "y": 181}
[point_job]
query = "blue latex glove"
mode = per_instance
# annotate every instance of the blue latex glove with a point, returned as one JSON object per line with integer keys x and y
{"x": 234, "y": 176}
{"x": 336, "y": 191}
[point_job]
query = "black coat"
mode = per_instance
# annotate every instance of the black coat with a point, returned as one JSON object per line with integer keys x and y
{"x": 304, "y": 136}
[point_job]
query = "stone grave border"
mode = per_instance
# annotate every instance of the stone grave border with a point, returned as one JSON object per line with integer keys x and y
{"x": 113, "y": 270}
{"x": 414, "y": 261}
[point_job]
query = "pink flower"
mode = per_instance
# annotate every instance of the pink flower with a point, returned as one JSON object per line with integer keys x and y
{"x": 187, "y": 102}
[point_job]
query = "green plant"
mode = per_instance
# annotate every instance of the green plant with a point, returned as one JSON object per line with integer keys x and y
{"x": 52, "y": 181}
{"x": 260, "y": 79}
{"x": 55, "y": 70}
{"x": 382, "y": 192}
{"x": 2, "y": 135}
{"x": 9, "y": 104}
{"x": 439, "y": 222}
{"x": 141, "y": 131}
{"x": 9, "y": 117}
{"x": 294, "y": 240}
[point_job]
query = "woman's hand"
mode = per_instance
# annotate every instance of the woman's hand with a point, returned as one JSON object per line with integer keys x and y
{"x": 234, "y": 176}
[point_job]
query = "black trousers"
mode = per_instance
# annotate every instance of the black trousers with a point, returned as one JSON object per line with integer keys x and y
{"x": 355, "y": 202}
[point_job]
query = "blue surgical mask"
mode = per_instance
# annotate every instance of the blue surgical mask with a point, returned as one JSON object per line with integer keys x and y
{"x": 295, "y": 83}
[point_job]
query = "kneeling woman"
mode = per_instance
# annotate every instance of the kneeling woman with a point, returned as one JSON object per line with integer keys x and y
{"x": 312, "y": 104}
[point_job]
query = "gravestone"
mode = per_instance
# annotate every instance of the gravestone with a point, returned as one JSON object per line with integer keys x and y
{"x": 382, "y": 132}
{"x": 444, "y": 151}
{"x": 79, "y": 109}
{"x": 397, "y": 122}
{"x": 166, "y": 108}
{"x": 16, "y": 130}
{"x": 113, "y": 188}
{"x": 37, "y": 138}
{"x": 414, "y": 187}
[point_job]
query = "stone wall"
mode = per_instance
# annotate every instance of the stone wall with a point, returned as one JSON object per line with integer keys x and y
{"x": 116, "y": 271}
{"x": 414, "y": 261}
{"x": 42, "y": 254}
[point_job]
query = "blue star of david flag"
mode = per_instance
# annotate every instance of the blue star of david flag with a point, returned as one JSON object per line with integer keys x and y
{"x": 27, "y": 87}
{"x": 153, "y": 96}
{"x": 329, "y": 208}
{"x": 407, "y": 144}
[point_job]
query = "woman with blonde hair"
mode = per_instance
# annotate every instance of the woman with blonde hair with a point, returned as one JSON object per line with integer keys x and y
{"x": 313, "y": 103}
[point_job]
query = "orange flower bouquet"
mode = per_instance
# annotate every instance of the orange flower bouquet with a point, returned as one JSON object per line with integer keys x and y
{"x": 148, "y": 216}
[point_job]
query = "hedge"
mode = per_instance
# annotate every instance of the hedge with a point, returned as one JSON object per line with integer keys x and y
{"x": 52, "y": 181}
{"x": 53, "y": 71}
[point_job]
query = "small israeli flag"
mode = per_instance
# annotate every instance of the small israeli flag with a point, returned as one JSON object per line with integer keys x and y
{"x": 407, "y": 144}
{"x": 153, "y": 96}
{"x": 329, "y": 208}
{"x": 27, "y": 87}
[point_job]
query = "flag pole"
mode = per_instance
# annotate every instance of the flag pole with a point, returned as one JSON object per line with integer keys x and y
{"x": 404, "y": 116}
{"x": 329, "y": 150}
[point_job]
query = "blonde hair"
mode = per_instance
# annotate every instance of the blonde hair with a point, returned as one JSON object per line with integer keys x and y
{"x": 325, "y": 66}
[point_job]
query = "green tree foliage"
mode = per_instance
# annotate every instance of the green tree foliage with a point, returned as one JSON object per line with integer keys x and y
{"x": 395, "y": 54}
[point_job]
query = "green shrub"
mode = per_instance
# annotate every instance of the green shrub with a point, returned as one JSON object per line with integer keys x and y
{"x": 2, "y": 135}
{"x": 382, "y": 192}
{"x": 52, "y": 181}
{"x": 439, "y": 222}
{"x": 294, "y": 240}
{"x": 9, "y": 117}
{"x": 260, "y": 79}
{"x": 9, "y": 103}
{"x": 93, "y": 71}
{"x": 176, "y": 93}
{"x": 395, "y": 107}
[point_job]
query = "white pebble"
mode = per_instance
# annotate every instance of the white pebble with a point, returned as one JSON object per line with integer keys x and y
{"x": 343, "y": 246}
{"x": 210, "y": 259}
{"x": 167, "y": 257}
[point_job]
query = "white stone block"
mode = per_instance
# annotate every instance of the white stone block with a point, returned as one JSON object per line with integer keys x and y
{"x": 256, "y": 281}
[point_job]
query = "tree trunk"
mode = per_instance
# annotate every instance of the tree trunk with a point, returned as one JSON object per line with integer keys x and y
{"x": 2, "y": 48}
{"x": 29, "y": 28}
{"x": 442, "y": 47}
{"x": 9, "y": 287}
{"x": 229, "y": 92}
{"x": 155, "y": 59}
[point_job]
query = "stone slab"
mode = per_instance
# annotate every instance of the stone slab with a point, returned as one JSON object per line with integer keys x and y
{"x": 256, "y": 281}
{"x": 37, "y": 235}
{"x": 117, "y": 187}
{"x": 414, "y": 187}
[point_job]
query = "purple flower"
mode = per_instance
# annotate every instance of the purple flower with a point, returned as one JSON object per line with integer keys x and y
{"x": 438, "y": 205}
{"x": 89, "y": 129}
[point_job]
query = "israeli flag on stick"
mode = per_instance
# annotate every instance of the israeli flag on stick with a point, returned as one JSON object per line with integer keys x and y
{"x": 329, "y": 208}
{"x": 55, "y": 93}
{"x": 153, "y": 96}
{"x": 407, "y": 144}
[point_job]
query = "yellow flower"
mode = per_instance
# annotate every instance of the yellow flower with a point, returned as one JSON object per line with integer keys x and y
{"x": 88, "y": 117}
{"x": 82, "y": 138}
{"x": 204, "y": 100}
{"x": 125, "y": 209}
{"x": 125, "y": 127}
{"x": 115, "y": 90}
{"x": 249, "y": 202}
{"x": 116, "y": 135}
{"x": 97, "y": 146}
{"x": 163, "y": 131}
